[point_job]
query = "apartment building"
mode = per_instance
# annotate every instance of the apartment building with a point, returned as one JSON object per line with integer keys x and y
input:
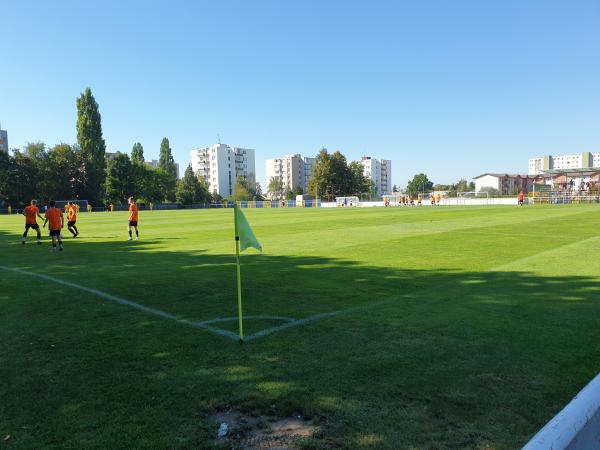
{"x": 380, "y": 171}
{"x": 292, "y": 170}
{"x": 583, "y": 160}
{"x": 220, "y": 165}
{"x": 4, "y": 141}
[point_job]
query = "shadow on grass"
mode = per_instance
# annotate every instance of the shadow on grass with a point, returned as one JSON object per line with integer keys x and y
{"x": 426, "y": 359}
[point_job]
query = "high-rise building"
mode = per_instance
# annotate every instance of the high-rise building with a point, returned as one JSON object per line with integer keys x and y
{"x": 380, "y": 171}
{"x": 4, "y": 141}
{"x": 220, "y": 165}
{"x": 292, "y": 170}
{"x": 583, "y": 160}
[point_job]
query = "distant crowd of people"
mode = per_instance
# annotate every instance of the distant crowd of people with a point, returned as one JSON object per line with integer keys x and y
{"x": 589, "y": 187}
{"x": 409, "y": 200}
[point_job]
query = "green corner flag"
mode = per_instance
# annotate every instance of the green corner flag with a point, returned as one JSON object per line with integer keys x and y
{"x": 244, "y": 232}
{"x": 244, "y": 238}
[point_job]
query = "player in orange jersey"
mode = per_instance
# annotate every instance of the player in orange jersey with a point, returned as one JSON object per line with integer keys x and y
{"x": 133, "y": 218}
{"x": 72, "y": 219}
{"x": 31, "y": 212}
{"x": 56, "y": 222}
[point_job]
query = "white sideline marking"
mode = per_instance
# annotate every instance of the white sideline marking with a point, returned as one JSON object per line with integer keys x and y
{"x": 341, "y": 312}
{"x": 122, "y": 301}
{"x": 289, "y": 322}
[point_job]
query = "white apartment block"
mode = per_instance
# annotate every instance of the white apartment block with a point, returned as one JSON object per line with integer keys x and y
{"x": 220, "y": 165}
{"x": 291, "y": 170}
{"x": 4, "y": 141}
{"x": 380, "y": 171}
{"x": 577, "y": 161}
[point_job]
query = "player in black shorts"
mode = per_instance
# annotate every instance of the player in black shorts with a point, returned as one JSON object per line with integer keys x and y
{"x": 31, "y": 212}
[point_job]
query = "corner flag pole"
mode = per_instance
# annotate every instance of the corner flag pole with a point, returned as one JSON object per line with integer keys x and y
{"x": 239, "y": 275}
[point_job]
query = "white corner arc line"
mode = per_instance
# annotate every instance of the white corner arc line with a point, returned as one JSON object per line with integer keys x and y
{"x": 122, "y": 301}
{"x": 418, "y": 292}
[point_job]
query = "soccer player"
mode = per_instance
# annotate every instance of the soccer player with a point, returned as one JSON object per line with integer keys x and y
{"x": 521, "y": 198}
{"x": 54, "y": 217}
{"x": 72, "y": 219}
{"x": 30, "y": 212}
{"x": 133, "y": 218}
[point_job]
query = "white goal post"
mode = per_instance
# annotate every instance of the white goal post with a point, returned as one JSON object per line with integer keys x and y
{"x": 347, "y": 201}
{"x": 466, "y": 198}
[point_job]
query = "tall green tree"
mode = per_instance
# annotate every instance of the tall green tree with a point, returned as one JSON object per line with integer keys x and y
{"x": 4, "y": 176}
{"x": 151, "y": 185}
{"x": 419, "y": 183}
{"x": 62, "y": 172}
{"x": 333, "y": 176}
{"x": 358, "y": 183}
{"x": 93, "y": 148}
{"x": 166, "y": 163}
{"x": 320, "y": 183}
{"x": 190, "y": 189}
{"x": 119, "y": 180}
{"x": 240, "y": 190}
{"x": 137, "y": 153}
{"x": 275, "y": 187}
{"x": 23, "y": 179}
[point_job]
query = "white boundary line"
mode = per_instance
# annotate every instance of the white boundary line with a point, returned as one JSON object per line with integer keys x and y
{"x": 288, "y": 321}
{"x": 122, "y": 301}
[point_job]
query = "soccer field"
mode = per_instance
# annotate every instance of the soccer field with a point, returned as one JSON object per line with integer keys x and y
{"x": 393, "y": 328}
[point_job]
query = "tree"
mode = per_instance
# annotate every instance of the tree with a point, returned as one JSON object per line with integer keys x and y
{"x": 275, "y": 187}
{"x": 334, "y": 176}
{"x": 150, "y": 186}
{"x": 190, "y": 189}
{"x": 4, "y": 176}
{"x": 137, "y": 153}
{"x": 395, "y": 188}
{"x": 93, "y": 148}
{"x": 419, "y": 183}
{"x": 462, "y": 186}
{"x": 166, "y": 163}
{"x": 62, "y": 171}
{"x": 23, "y": 179}
{"x": 119, "y": 179}
{"x": 359, "y": 183}
{"x": 321, "y": 180}
{"x": 240, "y": 190}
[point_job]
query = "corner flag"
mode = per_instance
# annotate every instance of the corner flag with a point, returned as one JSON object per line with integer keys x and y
{"x": 244, "y": 238}
{"x": 244, "y": 232}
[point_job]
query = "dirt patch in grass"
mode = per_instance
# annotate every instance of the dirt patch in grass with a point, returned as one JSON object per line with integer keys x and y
{"x": 248, "y": 432}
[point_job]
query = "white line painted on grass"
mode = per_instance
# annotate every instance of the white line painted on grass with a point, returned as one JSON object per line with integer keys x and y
{"x": 418, "y": 292}
{"x": 289, "y": 321}
{"x": 122, "y": 301}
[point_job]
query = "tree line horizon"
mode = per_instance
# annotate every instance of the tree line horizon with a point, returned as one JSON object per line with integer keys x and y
{"x": 81, "y": 172}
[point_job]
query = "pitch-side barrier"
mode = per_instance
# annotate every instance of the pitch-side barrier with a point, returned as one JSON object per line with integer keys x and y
{"x": 576, "y": 427}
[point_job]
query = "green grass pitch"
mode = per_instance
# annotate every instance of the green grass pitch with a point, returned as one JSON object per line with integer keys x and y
{"x": 426, "y": 328}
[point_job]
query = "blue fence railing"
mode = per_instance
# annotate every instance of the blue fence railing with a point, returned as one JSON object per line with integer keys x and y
{"x": 173, "y": 206}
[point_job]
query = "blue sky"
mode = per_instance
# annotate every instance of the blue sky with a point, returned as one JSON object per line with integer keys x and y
{"x": 450, "y": 88}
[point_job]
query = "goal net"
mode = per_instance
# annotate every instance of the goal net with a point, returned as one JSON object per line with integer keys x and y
{"x": 347, "y": 201}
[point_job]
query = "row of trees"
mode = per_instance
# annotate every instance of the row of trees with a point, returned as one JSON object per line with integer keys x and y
{"x": 81, "y": 171}
{"x": 420, "y": 183}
